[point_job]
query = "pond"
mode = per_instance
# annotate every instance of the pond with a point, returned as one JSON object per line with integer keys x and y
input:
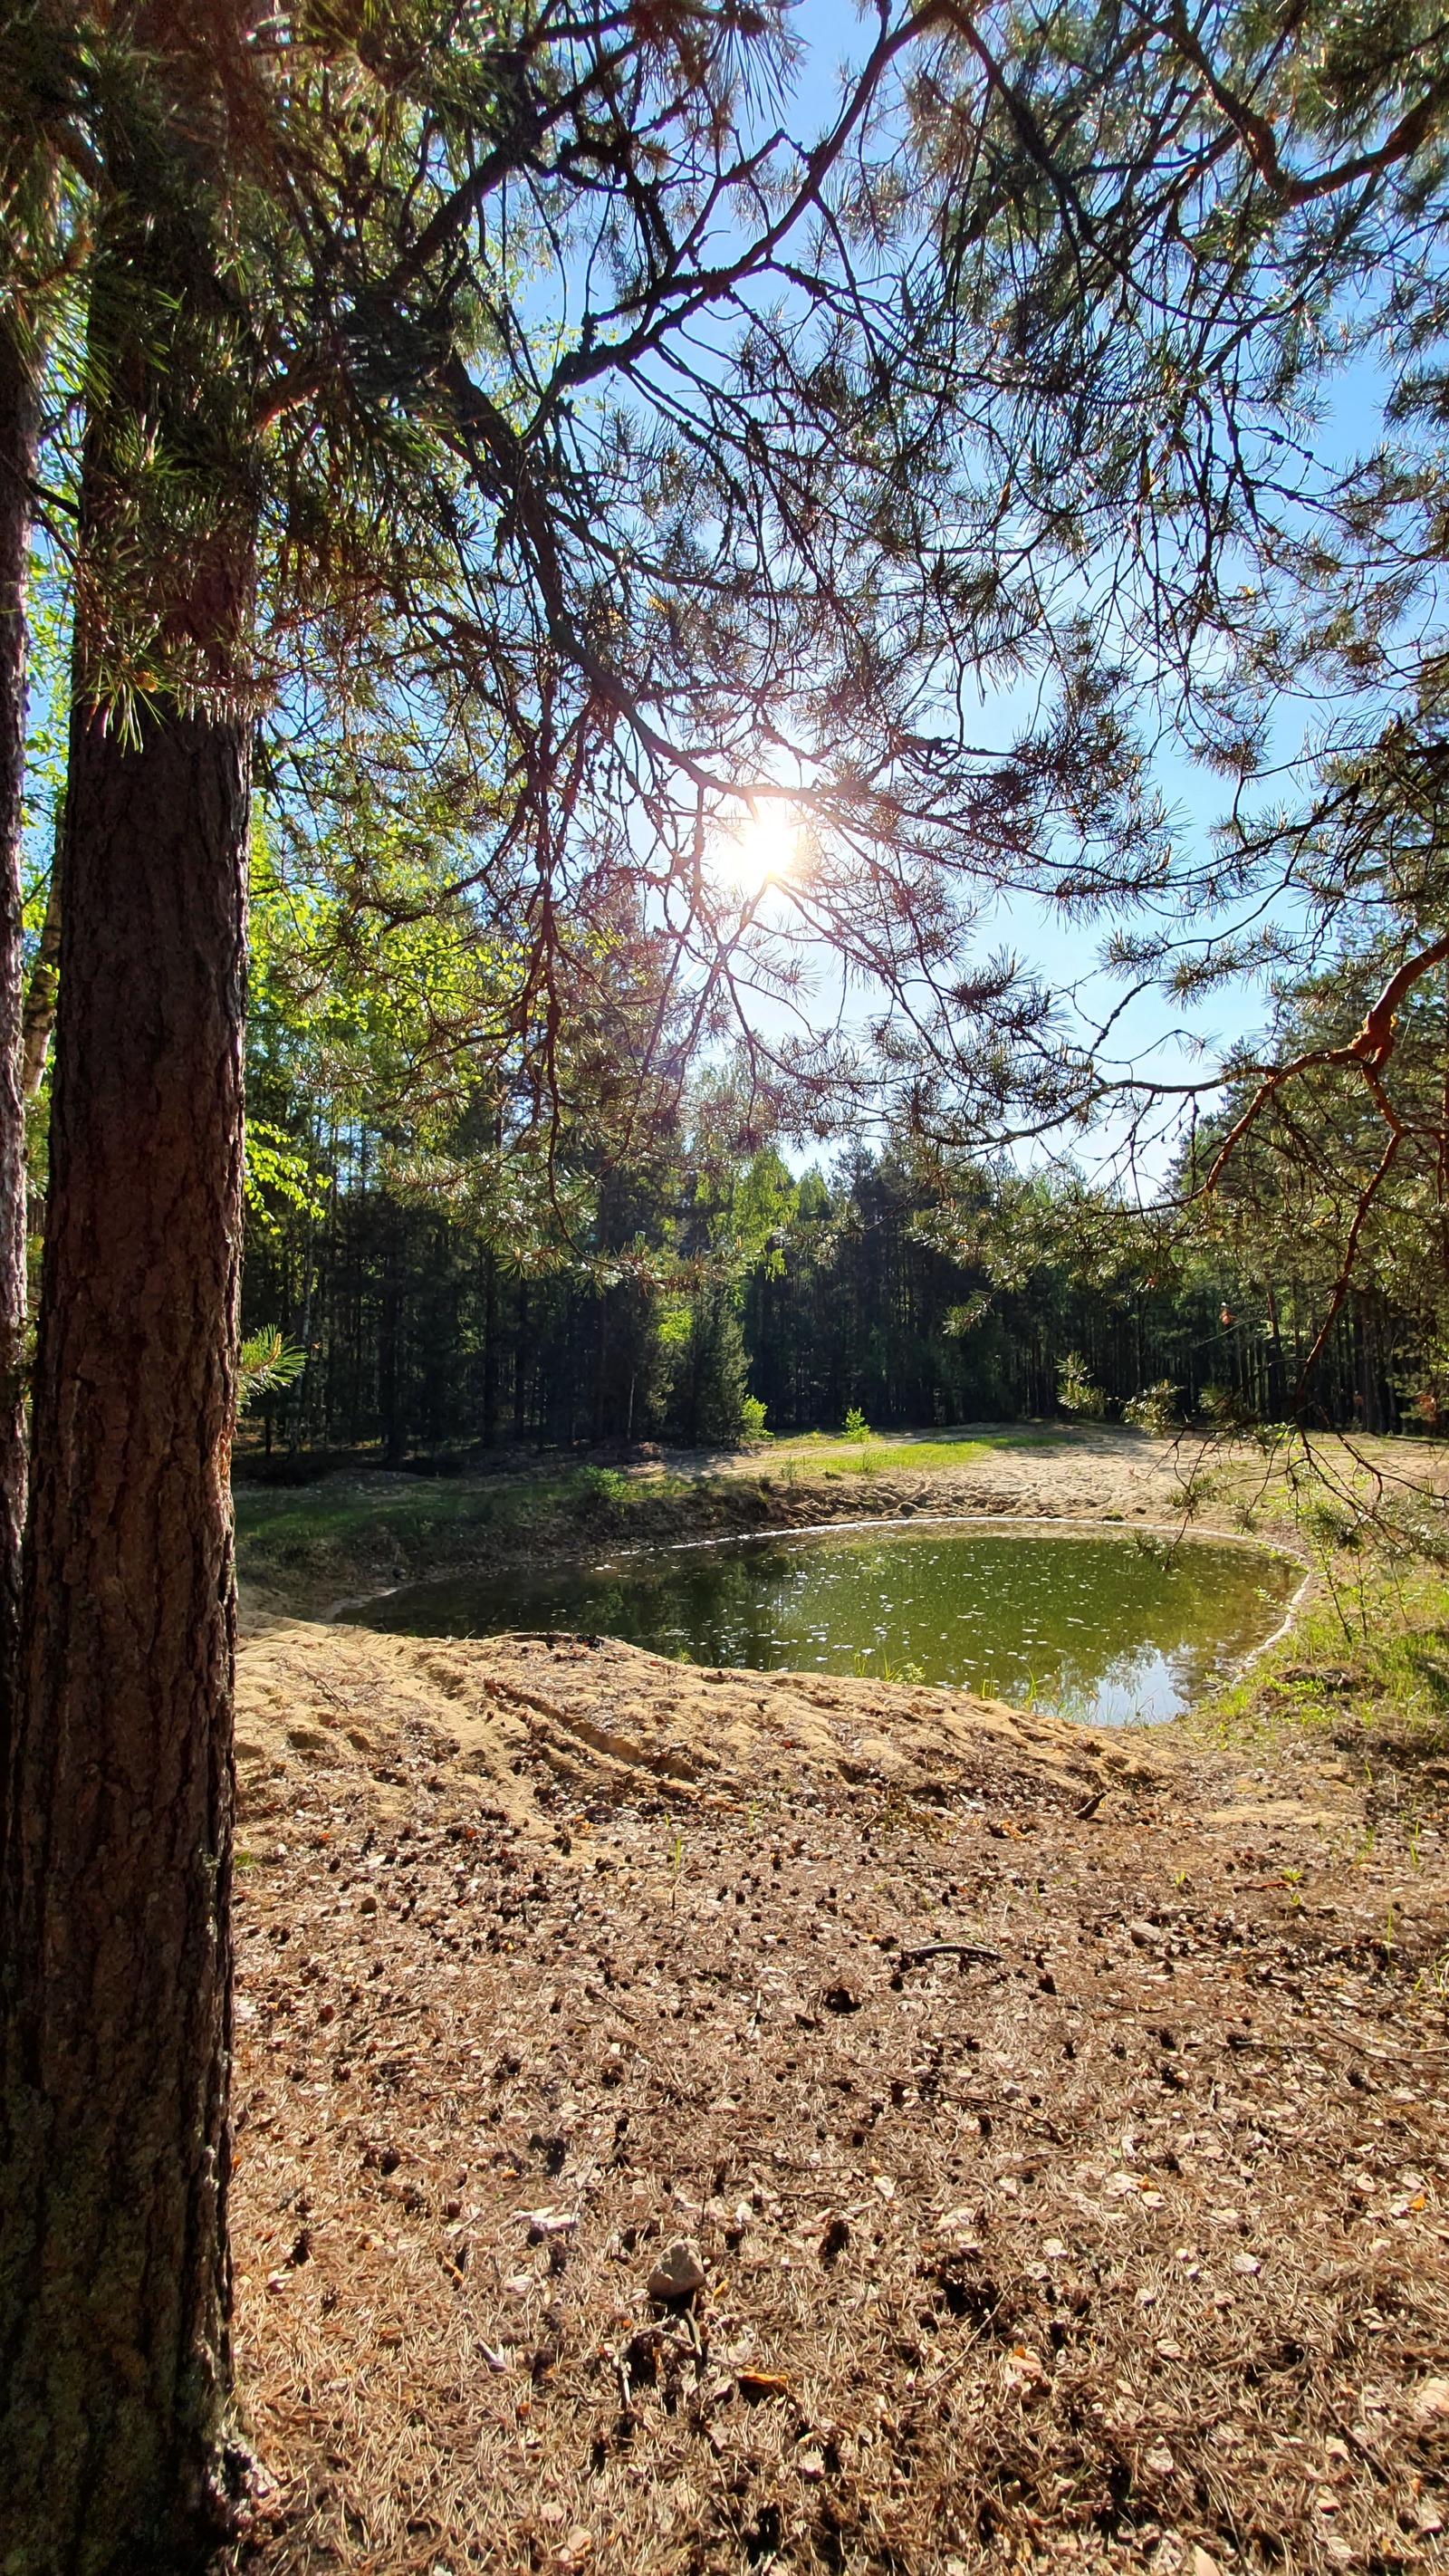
{"x": 1105, "y": 1627}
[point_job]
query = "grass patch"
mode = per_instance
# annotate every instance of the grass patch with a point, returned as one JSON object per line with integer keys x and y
{"x": 349, "y": 1528}
{"x": 363, "y": 1528}
{"x": 1363, "y": 1673}
{"x": 824, "y": 1453}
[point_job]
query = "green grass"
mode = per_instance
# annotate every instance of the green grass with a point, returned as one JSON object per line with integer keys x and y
{"x": 351, "y": 1533}
{"x": 1363, "y": 1673}
{"x": 825, "y": 1453}
{"x": 430, "y": 1520}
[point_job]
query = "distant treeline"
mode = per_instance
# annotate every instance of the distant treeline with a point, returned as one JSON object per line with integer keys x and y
{"x": 426, "y": 1334}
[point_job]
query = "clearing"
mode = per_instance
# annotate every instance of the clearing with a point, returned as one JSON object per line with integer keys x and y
{"x": 1057, "y": 2115}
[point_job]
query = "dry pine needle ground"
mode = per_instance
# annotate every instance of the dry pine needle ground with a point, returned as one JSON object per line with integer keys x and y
{"x": 1124, "y": 2245}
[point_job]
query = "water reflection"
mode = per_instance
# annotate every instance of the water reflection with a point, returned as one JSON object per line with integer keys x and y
{"x": 1102, "y": 1627}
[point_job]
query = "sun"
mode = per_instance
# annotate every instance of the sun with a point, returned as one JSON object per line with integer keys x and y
{"x": 761, "y": 850}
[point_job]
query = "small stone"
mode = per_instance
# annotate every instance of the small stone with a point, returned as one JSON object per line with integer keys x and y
{"x": 678, "y": 2272}
{"x": 1054, "y": 2250}
{"x": 1160, "y": 2460}
{"x": 1201, "y": 2564}
{"x": 1246, "y": 2264}
{"x": 1430, "y": 2398}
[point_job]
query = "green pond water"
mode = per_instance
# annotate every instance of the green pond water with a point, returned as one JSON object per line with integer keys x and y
{"x": 1103, "y": 1627}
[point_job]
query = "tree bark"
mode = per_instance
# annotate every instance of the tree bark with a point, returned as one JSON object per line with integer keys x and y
{"x": 19, "y": 441}
{"x": 520, "y": 1367}
{"x": 490, "y": 1347}
{"x": 391, "y": 1398}
{"x": 115, "y": 2014}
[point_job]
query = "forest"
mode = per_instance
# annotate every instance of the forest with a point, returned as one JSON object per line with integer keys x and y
{"x": 439, "y": 1303}
{"x": 425, "y": 1345}
{"x": 717, "y": 719}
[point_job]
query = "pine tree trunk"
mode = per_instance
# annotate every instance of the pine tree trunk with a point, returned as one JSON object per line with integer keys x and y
{"x": 520, "y": 1368}
{"x": 490, "y": 1348}
{"x": 115, "y": 2030}
{"x": 19, "y": 432}
{"x": 390, "y": 1392}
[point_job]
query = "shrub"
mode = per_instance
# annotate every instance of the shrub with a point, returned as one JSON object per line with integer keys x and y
{"x": 603, "y": 1484}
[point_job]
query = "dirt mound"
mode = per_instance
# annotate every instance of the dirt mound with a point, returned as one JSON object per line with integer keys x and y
{"x": 538, "y": 1727}
{"x": 1064, "y": 2170}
